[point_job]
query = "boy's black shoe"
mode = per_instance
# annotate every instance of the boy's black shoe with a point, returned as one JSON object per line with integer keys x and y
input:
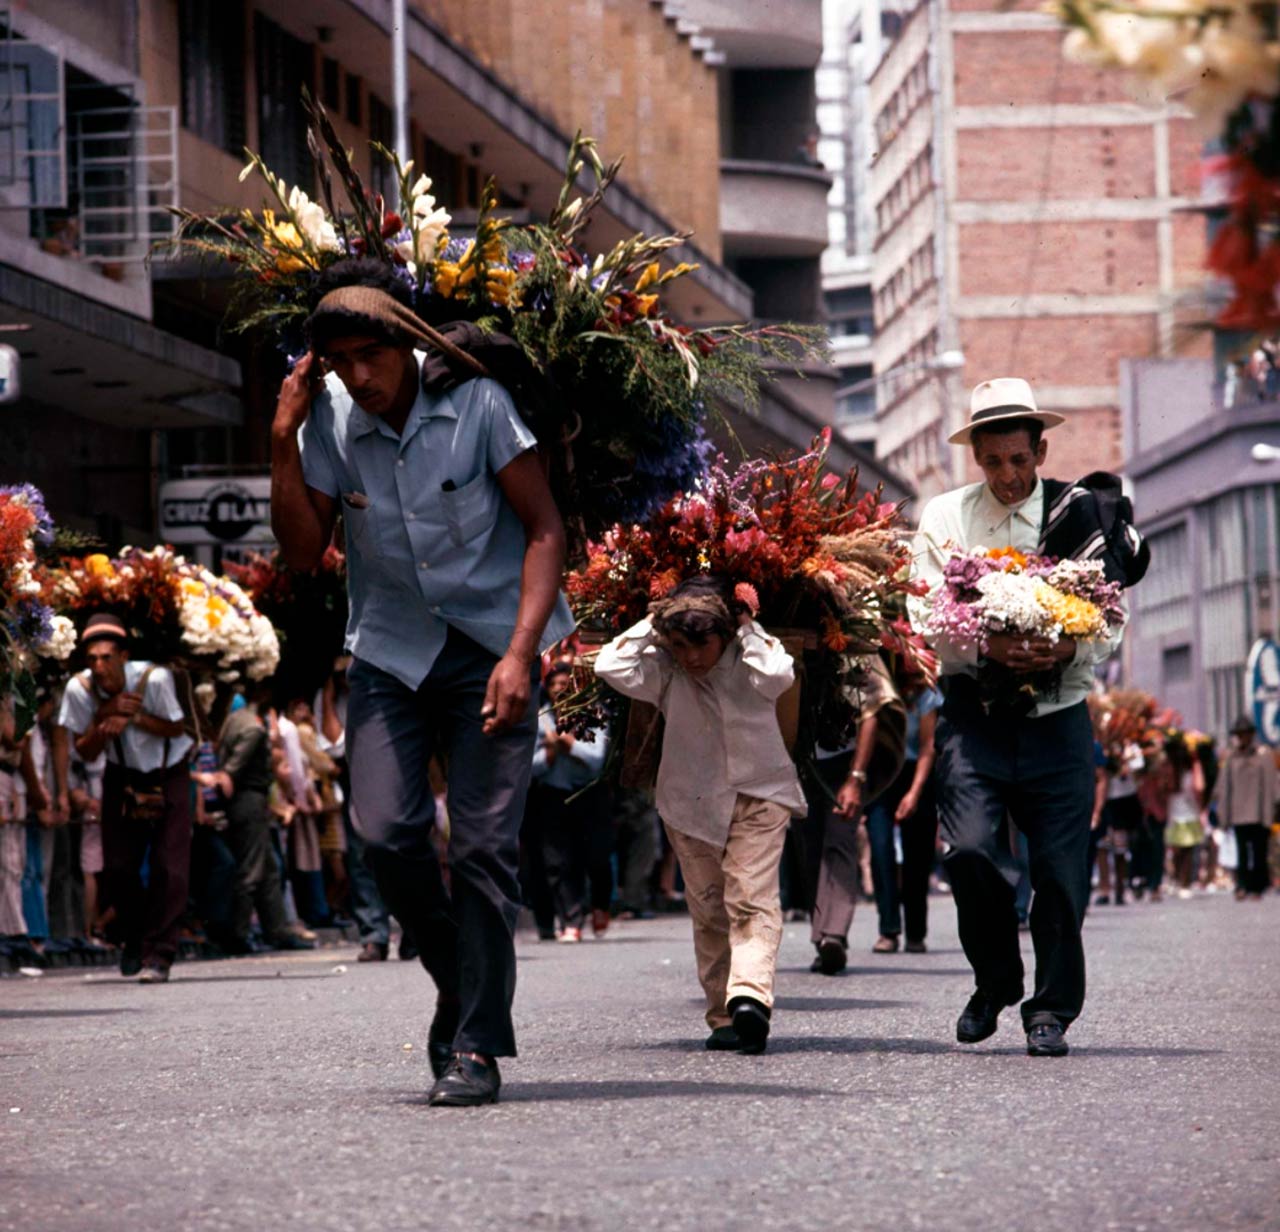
{"x": 444, "y": 1026}
{"x": 723, "y": 1039}
{"x": 467, "y": 1083}
{"x": 130, "y": 961}
{"x": 1045, "y": 1039}
{"x": 751, "y": 1022}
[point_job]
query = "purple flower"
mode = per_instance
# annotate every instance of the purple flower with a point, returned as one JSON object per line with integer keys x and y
{"x": 31, "y": 496}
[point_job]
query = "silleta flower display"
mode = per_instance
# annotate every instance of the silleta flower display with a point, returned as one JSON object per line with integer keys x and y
{"x": 808, "y": 550}
{"x": 616, "y": 390}
{"x": 177, "y": 610}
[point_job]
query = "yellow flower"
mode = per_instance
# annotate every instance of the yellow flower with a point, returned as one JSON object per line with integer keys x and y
{"x": 446, "y": 277}
{"x": 646, "y": 304}
{"x": 493, "y": 251}
{"x": 291, "y": 255}
{"x": 99, "y": 566}
{"x": 1078, "y": 617}
{"x": 648, "y": 278}
{"x": 500, "y": 285}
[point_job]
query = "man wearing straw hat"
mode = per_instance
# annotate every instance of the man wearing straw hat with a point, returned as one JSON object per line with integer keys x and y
{"x": 455, "y": 551}
{"x": 1037, "y": 770}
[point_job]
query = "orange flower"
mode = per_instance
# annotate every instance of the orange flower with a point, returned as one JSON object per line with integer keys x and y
{"x": 1012, "y": 558}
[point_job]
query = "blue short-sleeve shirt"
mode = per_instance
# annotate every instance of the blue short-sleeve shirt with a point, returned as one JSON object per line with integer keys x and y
{"x": 431, "y": 540}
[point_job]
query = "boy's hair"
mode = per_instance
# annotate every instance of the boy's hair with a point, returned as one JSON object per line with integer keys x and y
{"x": 1006, "y": 427}
{"x": 326, "y": 324}
{"x": 698, "y": 609}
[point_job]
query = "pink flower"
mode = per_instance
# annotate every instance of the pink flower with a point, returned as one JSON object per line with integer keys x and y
{"x": 746, "y": 594}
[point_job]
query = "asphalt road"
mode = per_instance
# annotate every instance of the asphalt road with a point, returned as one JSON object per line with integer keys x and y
{"x": 285, "y": 1092}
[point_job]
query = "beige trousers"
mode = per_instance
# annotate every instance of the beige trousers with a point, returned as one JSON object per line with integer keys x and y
{"x": 733, "y": 899}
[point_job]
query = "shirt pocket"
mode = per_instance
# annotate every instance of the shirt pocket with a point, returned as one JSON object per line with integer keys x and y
{"x": 470, "y": 510}
{"x": 361, "y": 530}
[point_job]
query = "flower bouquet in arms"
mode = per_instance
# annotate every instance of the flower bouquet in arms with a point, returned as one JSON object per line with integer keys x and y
{"x": 177, "y": 611}
{"x": 1002, "y": 593}
{"x": 809, "y": 552}
{"x": 34, "y": 641}
{"x": 617, "y": 392}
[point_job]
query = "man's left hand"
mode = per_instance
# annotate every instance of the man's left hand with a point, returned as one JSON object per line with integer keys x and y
{"x": 507, "y": 697}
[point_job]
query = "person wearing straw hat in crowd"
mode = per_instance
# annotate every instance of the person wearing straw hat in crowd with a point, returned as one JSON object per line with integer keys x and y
{"x": 455, "y": 551}
{"x": 1037, "y": 770}
{"x": 129, "y": 709}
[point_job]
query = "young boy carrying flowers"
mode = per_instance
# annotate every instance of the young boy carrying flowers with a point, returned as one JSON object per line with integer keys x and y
{"x": 726, "y": 786}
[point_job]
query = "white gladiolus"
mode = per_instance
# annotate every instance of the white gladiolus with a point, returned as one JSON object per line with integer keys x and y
{"x": 313, "y": 222}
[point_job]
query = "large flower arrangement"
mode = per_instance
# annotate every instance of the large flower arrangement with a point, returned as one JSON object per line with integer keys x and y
{"x": 816, "y": 553}
{"x": 177, "y": 611}
{"x": 989, "y": 592}
{"x": 308, "y": 610}
{"x": 1220, "y": 58}
{"x": 31, "y": 635}
{"x": 617, "y": 391}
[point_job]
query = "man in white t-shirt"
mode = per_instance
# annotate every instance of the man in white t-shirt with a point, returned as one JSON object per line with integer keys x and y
{"x": 130, "y": 711}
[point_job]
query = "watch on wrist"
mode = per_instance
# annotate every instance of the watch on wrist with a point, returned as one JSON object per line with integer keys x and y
{"x": 859, "y": 776}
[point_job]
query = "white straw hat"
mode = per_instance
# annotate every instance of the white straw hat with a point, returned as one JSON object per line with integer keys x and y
{"x": 1004, "y": 397}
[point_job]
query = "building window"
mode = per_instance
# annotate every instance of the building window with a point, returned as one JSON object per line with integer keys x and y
{"x": 330, "y": 84}
{"x": 355, "y": 112}
{"x": 284, "y": 66}
{"x": 211, "y": 64}
{"x": 381, "y": 130}
{"x": 1175, "y": 664}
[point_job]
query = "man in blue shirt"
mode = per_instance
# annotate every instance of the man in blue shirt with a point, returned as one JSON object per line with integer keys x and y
{"x": 455, "y": 552}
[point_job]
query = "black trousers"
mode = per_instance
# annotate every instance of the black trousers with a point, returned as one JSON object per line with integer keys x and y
{"x": 576, "y": 845}
{"x": 466, "y": 933}
{"x": 1039, "y": 772}
{"x": 919, "y": 835}
{"x": 1252, "y": 874}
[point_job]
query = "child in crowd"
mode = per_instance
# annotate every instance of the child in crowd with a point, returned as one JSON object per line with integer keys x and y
{"x": 726, "y": 785}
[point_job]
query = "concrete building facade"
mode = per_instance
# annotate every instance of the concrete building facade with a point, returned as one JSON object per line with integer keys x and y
{"x": 1211, "y": 513}
{"x": 1028, "y": 214}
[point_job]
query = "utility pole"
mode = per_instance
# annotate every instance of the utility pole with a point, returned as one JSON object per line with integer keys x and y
{"x": 400, "y": 78}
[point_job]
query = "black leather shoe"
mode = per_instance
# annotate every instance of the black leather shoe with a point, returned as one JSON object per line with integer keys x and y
{"x": 466, "y": 1083}
{"x": 723, "y": 1039}
{"x": 751, "y": 1022}
{"x": 833, "y": 956}
{"x": 1046, "y": 1039}
{"x": 407, "y": 950}
{"x": 291, "y": 941}
{"x": 978, "y": 1021}
{"x": 130, "y": 962}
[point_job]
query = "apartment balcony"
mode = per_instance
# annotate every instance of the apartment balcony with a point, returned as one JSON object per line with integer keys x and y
{"x": 773, "y": 209}
{"x": 776, "y": 34}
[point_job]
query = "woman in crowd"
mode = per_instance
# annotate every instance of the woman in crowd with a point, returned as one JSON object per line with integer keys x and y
{"x": 1245, "y": 799}
{"x": 1184, "y": 788}
{"x": 726, "y": 786}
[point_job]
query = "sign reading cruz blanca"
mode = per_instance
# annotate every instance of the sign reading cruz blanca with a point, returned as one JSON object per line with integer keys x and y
{"x": 1262, "y": 689}
{"x": 226, "y": 510}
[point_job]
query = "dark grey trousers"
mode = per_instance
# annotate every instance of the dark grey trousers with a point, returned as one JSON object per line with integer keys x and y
{"x": 1039, "y": 772}
{"x": 466, "y": 933}
{"x": 257, "y": 879}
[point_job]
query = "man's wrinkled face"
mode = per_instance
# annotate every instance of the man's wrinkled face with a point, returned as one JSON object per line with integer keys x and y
{"x": 106, "y": 660}
{"x": 378, "y": 375}
{"x": 1009, "y": 461}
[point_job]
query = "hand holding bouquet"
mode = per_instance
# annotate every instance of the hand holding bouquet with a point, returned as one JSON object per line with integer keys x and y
{"x": 1024, "y": 614}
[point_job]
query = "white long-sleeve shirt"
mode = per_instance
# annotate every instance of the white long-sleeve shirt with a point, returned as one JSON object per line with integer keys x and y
{"x": 722, "y": 737}
{"x": 973, "y": 517}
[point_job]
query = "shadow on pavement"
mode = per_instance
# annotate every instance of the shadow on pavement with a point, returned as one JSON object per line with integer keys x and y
{"x": 1083, "y": 1051}
{"x": 877, "y": 970}
{"x": 63, "y": 1013}
{"x": 810, "y": 1043}
{"x": 612, "y": 1091}
{"x": 831, "y": 1005}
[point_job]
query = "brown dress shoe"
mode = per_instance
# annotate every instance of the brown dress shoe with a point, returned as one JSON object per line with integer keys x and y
{"x": 372, "y": 951}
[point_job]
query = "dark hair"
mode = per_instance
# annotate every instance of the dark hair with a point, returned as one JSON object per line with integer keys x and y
{"x": 1007, "y": 427}
{"x": 695, "y": 626}
{"x": 559, "y": 668}
{"x": 1175, "y": 749}
{"x": 322, "y": 327}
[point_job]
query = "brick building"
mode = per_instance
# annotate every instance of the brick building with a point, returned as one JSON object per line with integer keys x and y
{"x": 1029, "y": 214}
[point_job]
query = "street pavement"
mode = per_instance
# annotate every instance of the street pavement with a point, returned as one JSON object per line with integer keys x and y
{"x": 288, "y": 1092}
